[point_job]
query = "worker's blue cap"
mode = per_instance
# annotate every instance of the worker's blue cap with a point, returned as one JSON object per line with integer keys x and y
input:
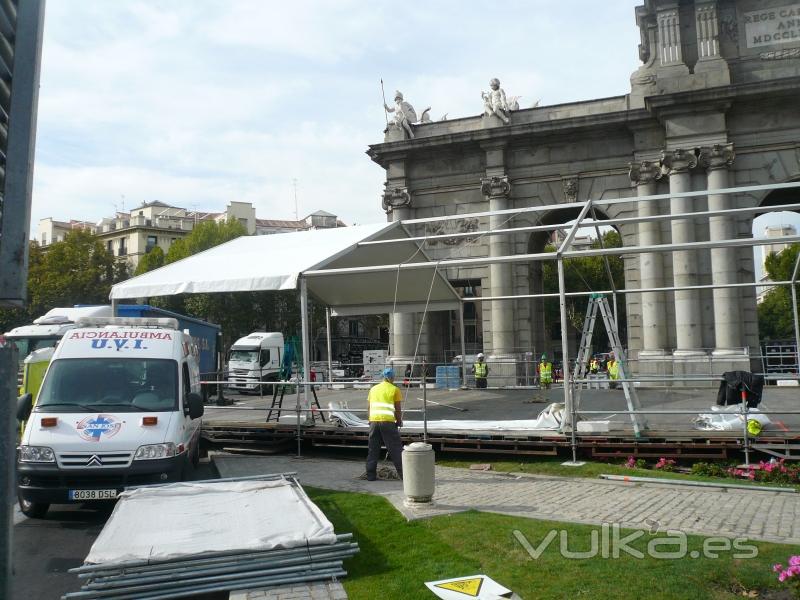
{"x": 388, "y": 373}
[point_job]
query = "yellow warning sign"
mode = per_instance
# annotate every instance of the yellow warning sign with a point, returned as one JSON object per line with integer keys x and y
{"x": 469, "y": 587}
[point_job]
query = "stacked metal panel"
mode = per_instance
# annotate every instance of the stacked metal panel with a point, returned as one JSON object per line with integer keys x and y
{"x": 232, "y": 534}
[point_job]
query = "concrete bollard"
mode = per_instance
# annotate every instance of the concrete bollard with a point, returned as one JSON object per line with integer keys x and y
{"x": 418, "y": 472}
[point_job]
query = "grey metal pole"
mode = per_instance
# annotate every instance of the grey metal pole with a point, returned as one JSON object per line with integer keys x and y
{"x": 744, "y": 429}
{"x": 462, "y": 332}
{"x": 328, "y": 340}
{"x": 297, "y": 411}
{"x": 794, "y": 313}
{"x": 568, "y": 399}
{"x": 8, "y": 393}
{"x": 304, "y": 331}
{"x": 306, "y": 366}
{"x": 424, "y": 404}
{"x": 114, "y": 305}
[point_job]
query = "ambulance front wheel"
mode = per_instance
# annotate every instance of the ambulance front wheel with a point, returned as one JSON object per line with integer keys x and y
{"x": 34, "y": 510}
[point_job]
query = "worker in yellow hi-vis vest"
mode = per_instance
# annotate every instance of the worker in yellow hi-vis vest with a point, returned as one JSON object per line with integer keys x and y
{"x": 613, "y": 371}
{"x": 545, "y": 373}
{"x": 385, "y": 418}
{"x": 481, "y": 371}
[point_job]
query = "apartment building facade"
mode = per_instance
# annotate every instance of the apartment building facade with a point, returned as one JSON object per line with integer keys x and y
{"x": 132, "y": 234}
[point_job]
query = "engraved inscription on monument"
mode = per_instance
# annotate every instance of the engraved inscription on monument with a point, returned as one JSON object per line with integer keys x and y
{"x": 778, "y": 25}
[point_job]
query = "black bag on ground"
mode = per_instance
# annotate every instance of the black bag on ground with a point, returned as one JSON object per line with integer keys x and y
{"x": 732, "y": 385}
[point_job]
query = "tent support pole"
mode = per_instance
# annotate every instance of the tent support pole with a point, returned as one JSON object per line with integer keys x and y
{"x": 304, "y": 332}
{"x": 328, "y": 340}
{"x": 794, "y": 312}
{"x": 463, "y": 344}
{"x": 114, "y": 304}
{"x": 569, "y": 409}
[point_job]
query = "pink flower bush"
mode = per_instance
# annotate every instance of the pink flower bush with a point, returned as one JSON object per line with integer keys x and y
{"x": 791, "y": 572}
{"x": 665, "y": 464}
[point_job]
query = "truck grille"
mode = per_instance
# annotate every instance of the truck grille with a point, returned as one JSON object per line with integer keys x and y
{"x": 97, "y": 460}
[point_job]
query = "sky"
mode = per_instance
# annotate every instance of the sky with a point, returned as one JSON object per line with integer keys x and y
{"x": 197, "y": 103}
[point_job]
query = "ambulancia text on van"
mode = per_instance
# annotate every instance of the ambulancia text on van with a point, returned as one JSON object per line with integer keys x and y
{"x": 119, "y": 405}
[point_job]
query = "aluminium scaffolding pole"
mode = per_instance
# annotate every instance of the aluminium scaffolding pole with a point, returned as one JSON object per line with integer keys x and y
{"x": 794, "y": 312}
{"x": 591, "y": 223}
{"x": 526, "y": 258}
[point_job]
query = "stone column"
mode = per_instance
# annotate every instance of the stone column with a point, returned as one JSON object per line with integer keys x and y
{"x": 651, "y": 265}
{"x": 402, "y": 341}
{"x": 724, "y": 265}
{"x": 497, "y": 190}
{"x": 684, "y": 262}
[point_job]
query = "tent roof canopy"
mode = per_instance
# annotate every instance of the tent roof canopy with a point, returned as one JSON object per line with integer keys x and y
{"x": 276, "y": 262}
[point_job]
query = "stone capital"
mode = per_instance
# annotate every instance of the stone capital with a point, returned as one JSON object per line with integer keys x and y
{"x": 718, "y": 156}
{"x": 396, "y": 197}
{"x": 570, "y": 185}
{"x": 644, "y": 172}
{"x": 495, "y": 187}
{"x": 678, "y": 161}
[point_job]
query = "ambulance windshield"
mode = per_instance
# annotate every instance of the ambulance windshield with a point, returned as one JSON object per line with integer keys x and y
{"x": 120, "y": 385}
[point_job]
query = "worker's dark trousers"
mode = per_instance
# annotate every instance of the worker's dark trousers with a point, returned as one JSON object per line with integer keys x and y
{"x": 480, "y": 383}
{"x": 389, "y": 436}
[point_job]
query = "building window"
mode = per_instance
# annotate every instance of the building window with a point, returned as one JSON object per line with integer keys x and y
{"x": 152, "y": 242}
{"x": 356, "y": 329}
{"x": 123, "y": 251}
{"x": 44, "y": 238}
{"x": 110, "y": 246}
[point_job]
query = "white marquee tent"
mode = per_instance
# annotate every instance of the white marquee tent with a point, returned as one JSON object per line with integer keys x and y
{"x": 299, "y": 260}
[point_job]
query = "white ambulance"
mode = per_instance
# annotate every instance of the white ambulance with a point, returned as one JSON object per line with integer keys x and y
{"x": 119, "y": 406}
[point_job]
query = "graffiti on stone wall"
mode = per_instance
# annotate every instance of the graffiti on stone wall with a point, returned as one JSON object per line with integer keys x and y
{"x": 451, "y": 227}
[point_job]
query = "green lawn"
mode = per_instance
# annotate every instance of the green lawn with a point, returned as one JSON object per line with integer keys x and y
{"x": 397, "y": 557}
{"x": 553, "y": 466}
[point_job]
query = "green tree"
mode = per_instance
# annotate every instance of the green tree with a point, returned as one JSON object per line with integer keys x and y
{"x": 77, "y": 270}
{"x": 152, "y": 260}
{"x": 775, "y": 320}
{"x": 581, "y": 275}
{"x": 205, "y": 235}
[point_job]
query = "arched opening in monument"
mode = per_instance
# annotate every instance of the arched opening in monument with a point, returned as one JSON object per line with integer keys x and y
{"x": 775, "y": 262}
{"x": 581, "y": 275}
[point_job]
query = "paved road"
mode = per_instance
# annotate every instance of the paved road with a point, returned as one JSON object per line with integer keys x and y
{"x": 44, "y": 549}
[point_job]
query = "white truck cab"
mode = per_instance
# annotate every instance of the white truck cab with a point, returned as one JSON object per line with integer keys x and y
{"x": 254, "y": 358}
{"x": 119, "y": 405}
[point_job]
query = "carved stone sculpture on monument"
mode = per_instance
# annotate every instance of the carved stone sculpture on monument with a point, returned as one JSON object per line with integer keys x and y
{"x": 495, "y": 103}
{"x": 405, "y": 115}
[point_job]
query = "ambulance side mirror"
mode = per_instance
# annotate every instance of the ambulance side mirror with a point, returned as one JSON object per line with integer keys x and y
{"x": 193, "y": 407}
{"x": 24, "y": 406}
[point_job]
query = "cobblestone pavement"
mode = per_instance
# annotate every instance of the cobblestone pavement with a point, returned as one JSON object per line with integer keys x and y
{"x": 757, "y": 515}
{"x": 310, "y": 591}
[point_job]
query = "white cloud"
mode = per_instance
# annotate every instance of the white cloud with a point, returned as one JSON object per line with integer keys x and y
{"x": 198, "y": 103}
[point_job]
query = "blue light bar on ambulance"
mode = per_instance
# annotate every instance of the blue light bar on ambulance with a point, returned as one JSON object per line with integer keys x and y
{"x": 163, "y": 323}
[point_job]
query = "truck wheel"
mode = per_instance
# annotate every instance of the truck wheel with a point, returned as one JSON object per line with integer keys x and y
{"x": 195, "y": 458}
{"x": 34, "y": 510}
